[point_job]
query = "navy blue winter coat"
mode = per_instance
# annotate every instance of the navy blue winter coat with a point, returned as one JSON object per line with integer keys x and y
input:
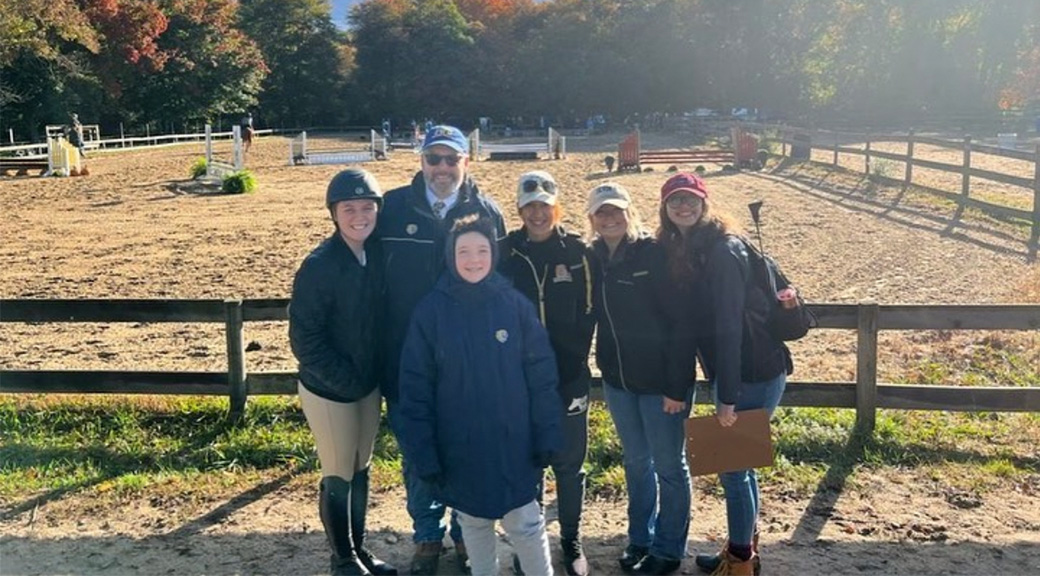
{"x": 478, "y": 399}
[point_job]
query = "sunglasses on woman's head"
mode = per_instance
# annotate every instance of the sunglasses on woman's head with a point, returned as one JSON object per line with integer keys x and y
{"x": 435, "y": 159}
{"x": 532, "y": 185}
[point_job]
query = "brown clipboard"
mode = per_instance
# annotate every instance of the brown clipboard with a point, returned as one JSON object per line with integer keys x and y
{"x": 712, "y": 448}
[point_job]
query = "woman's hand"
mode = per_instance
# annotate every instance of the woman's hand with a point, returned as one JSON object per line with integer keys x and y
{"x": 727, "y": 414}
{"x": 673, "y": 406}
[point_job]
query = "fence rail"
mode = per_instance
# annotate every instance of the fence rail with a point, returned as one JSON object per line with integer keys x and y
{"x": 806, "y": 140}
{"x": 40, "y": 150}
{"x": 865, "y": 394}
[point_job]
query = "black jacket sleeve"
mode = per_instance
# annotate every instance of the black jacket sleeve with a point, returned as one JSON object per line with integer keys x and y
{"x": 727, "y": 270}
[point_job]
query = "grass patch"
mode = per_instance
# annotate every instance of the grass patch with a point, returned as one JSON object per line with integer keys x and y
{"x": 125, "y": 445}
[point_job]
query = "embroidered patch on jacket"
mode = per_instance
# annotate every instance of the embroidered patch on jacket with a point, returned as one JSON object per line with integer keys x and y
{"x": 501, "y": 336}
{"x": 578, "y": 406}
{"x": 411, "y": 229}
{"x": 563, "y": 274}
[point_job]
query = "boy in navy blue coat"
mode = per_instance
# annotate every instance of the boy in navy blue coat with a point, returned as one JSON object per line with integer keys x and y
{"x": 480, "y": 410}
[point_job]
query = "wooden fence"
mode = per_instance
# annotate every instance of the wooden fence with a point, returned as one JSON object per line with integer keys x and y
{"x": 803, "y": 140}
{"x": 866, "y": 395}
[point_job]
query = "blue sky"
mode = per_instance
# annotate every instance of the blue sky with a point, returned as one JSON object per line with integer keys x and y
{"x": 340, "y": 11}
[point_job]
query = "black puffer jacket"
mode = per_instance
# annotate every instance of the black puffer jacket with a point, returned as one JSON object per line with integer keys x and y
{"x": 333, "y": 328}
{"x": 630, "y": 296}
{"x": 556, "y": 275}
{"x": 413, "y": 253}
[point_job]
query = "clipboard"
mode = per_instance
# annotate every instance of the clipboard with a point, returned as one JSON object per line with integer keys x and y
{"x": 712, "y": 448}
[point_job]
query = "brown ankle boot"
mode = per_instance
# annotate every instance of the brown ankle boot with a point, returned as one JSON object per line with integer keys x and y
{"x": 708, "y": 563}
{"x": 730, "y": 565}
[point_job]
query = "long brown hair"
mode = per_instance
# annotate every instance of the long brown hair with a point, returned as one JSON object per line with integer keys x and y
{"x": 687, "y": 254}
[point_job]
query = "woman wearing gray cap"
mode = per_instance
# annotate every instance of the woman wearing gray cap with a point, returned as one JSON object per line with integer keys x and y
{"x": 332, "y": 320}
{"x": 632, "y": 311}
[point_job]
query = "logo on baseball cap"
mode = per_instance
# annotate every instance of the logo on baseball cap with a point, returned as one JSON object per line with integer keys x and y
{"x": 608, "y": 193}
{"x": 449, "y": 136}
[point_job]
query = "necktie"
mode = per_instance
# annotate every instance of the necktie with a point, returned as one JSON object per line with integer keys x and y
{"x": 438, "y": 207}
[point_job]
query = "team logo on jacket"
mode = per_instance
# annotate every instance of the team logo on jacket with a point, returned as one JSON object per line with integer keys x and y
{"x": 578, "y": 406}
{"x": 562, "y": 274}
{"x": 411, "y": 229}
{"x": 501, "y": 336}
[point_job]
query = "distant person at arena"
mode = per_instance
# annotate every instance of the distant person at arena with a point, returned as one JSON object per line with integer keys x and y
{"x": 76, "y": 135}
{"x": 333, "y": 315}
{"x": 413, "y": 229}
{"x": 479, "y": 415}
{"x": 552, "y": 267}
{"x": 247, "y": 133}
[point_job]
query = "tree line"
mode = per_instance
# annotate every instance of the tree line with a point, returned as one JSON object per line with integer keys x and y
{"x": 171, "y": 63}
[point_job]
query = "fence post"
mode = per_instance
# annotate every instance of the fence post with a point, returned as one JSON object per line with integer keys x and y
{"x": 835, "y": 150}
{"x": 1036, "y": 197}
{"x": 909, "y": 158}
{"x": 966, "y": 169}
{"x": 236, "y": 357}
{"x": 866, "y": 157}
{"x": 866, "y": 365}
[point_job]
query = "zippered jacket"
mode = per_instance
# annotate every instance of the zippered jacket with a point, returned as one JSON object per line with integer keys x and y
{"x": 412, "y": 239}
{"x": 630, "y": 300}
{"x": 478, "y": 401}
{"x": 556, "y": 275}
{"x": 333, "y": 330}
{"x": 735, "y": 350}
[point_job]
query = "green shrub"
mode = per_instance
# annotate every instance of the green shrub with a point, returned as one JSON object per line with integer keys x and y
{"x": 198, "y": 168}
{"x": 241, "y": 182}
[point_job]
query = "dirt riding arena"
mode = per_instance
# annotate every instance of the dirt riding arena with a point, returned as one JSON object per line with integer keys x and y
{"x": 137, "y": 227}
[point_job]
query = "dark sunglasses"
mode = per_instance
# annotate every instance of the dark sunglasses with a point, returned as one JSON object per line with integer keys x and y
{"x": 532, "y": 185}
{"x": 435, "y": 159}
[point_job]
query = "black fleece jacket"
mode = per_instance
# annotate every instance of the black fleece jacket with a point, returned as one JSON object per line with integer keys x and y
{"x": 631, "y": 301}
{"x": 556, "y": 275}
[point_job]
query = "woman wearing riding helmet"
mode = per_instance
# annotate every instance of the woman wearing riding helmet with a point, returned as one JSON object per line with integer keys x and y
{"x": 332, "y": 323}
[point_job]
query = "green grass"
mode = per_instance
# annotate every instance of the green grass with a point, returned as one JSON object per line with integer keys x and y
{"x": 125, "y": 445}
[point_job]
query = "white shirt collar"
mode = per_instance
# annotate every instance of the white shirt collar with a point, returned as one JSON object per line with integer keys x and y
{"x": 448, "y": 202}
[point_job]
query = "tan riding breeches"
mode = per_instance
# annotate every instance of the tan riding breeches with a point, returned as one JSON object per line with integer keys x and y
{"x": 344, "y": 432}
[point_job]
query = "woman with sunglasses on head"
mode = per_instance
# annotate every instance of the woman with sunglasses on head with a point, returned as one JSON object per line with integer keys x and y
{"x": 551, "y": 266}
{"x": 632, "y": 309}
{"x": 708, "y": 265}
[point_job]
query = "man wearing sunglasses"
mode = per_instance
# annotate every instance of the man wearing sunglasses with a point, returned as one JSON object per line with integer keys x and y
{"x": 413, "y": 228}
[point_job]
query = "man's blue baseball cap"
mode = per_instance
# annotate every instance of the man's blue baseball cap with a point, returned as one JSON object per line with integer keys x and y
{"x": 449, "y": 136}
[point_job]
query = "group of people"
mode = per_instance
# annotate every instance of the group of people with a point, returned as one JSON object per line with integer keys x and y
{"x": 478, "y": 339}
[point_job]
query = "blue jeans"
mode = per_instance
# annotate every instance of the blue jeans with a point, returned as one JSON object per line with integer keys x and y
{"x": 653, "y": 445}
{"x": 741, "y": 486}
{"x": 427, "y": 513}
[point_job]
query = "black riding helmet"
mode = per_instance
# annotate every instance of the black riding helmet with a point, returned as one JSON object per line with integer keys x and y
{"x": 353, "y": 184}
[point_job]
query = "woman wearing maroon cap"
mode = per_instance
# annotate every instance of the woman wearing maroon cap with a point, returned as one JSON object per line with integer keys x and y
{"x": 708, "y": 264}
